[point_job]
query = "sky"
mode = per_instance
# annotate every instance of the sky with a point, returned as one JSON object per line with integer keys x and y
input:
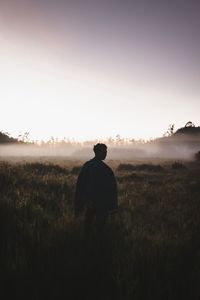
{"x": 94, "y": 69}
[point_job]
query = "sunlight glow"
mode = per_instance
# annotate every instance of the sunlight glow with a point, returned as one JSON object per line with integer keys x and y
{"x": 45, "y": 98}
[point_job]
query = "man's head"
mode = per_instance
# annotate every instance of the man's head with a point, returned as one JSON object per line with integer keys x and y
{"x": 100, "y": 151}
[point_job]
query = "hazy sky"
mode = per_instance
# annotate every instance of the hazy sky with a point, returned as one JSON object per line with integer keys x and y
{"x": 93, "y": 69}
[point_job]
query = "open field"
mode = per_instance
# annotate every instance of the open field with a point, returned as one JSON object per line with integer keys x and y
{"x": 150, "y": 249}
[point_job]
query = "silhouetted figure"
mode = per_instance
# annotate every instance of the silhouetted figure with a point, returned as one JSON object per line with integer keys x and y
{"x": 96, "y": 188}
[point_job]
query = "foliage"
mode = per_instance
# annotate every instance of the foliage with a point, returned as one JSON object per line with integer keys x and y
{"x": 170, "y": 131}
{"x": 5, "y": 138}
{"x": 189, "y": 124}
{"x": 41, "y": 168}
{"x": 76, "y": 170}
{"x": 178, "y": 166}
{"x": 140, "y": 167}
{"x": 149, "y": 250}
{"x": 189, "y": 130}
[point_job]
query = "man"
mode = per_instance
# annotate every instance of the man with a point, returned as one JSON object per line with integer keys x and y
{"x": 96, "y": 188}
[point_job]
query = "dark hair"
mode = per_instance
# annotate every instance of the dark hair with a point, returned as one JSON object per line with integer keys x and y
{"x": 98, "y": 147}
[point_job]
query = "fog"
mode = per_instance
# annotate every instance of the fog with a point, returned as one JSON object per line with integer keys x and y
{"x": 160, "y": 148}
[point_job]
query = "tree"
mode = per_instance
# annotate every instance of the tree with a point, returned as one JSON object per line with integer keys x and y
{"x": 6, "y": 138}
{"x": 170, "y": 130}
{"x": 189, "y": 124}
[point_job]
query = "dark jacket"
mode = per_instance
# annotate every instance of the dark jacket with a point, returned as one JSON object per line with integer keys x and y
{"x": 96, "y": 186}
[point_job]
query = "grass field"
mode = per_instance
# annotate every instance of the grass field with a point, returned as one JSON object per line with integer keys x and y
{"x": 150, "y": 249}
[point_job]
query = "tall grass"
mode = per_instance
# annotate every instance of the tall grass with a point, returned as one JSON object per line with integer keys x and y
{"x": 149, "y": 250}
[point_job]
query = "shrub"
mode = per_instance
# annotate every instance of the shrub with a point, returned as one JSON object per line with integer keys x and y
{"x": 76, "y": 170}
{"x": 130, "y": 178}
{"x": 178, "y": 166}
{"x": 142, "y": 167}
{"x": 126, "y": 167}
{"x": 43, "y": 169}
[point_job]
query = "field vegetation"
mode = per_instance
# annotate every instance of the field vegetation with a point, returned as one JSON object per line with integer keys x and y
{"x": 150, "y": 249}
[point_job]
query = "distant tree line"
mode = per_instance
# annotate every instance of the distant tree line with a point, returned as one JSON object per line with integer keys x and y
{"x": 5, "y": 138}
{"x": 24, "y": 138}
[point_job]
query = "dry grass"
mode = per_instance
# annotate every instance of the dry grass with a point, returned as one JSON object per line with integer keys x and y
{"x": 149, "y": 250}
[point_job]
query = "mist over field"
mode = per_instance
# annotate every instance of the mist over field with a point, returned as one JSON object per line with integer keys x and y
{"x": 182, "y": 144}
{"x": 162, "y": 149}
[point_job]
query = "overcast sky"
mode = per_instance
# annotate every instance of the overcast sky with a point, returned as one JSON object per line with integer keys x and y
{"x": 93, "y": 69}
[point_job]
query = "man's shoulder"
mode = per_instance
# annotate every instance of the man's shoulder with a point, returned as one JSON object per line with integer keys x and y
{"x": 107, "y": 169}
{"x": 95, "y": 165}
{"x": 88, "y": 164}
{"x": 106, "y": 166}
{"x": 99, "y": 164}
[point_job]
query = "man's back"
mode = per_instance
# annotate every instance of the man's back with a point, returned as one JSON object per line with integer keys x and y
{"x": 96, "y": 187}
